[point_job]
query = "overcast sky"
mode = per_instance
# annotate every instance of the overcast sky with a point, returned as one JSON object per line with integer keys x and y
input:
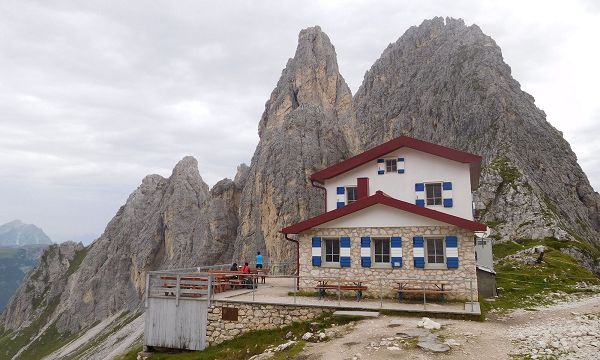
{"x": 94, "y": 95}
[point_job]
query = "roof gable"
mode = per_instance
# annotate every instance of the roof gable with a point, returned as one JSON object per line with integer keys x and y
{"x": 381, "y": 198}
{"x": 397, "y": 143}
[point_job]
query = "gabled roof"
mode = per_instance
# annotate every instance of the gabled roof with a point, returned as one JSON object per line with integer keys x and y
{"x": 381, "y": 198}
{"x": 399, "y": 142}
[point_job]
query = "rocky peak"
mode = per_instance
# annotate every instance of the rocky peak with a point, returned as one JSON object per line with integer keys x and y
{"x": 447, "y": 83}
{"x": 311, "y": 77}
{"x": 300, "y": 131}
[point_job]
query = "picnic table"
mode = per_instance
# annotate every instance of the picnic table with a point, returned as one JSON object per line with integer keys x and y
{"x": 349, "y": 285}
{"x": 422, "y": 287}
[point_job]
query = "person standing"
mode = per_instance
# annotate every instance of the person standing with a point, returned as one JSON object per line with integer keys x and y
{"x": 259, "y": 260}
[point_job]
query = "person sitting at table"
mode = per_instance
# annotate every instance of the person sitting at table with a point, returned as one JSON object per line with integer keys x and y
{"x": 234, "y": 267}
{"x": 245, "y": 268}
{"x": 259, "y": 260}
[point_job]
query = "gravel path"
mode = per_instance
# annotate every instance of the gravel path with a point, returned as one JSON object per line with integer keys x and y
{"x": 564, "y": 331}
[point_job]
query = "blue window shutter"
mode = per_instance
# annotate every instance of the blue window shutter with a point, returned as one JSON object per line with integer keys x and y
{"x": 400, "y": 171}
{"x": 419, "y": 187}
{"x": 340, "y": 204}
{"x": 341, "y": 190}
{"x": 400, "y": 159}
{"x": 420, "y": 202}
{"x": 380, "y": 166}
{"x": 396, "y": 251}
{"x": 365, "y": 251}
{"x": 316, "y": 251}
{"x": 452, "y": 252}
{"x": 344, "y": 251}
{"x": 418, "y": 252}
{"x": 447, "y": 194}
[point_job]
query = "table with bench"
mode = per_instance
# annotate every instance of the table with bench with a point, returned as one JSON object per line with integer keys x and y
{"x": 422, "y": 287}
{"x": 341, "y": 285}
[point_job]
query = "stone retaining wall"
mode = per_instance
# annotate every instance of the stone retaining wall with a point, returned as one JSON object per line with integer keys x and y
{"x": 253, "y": 316}
{"x": 372, "y": 277}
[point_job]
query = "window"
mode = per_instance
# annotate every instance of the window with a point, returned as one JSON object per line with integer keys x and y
{"x": 382, "y": 250}
{"x": 390, "y": 165}
{"x": 332, "y": 250}
{"x": 435, "y": 251}
{"x": 351, "y": 194}
{"x": 433, "y": 193}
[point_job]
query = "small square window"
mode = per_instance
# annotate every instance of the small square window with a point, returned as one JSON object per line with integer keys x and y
{"x": 332, "y": 250}
{"x": 433, "y": 193}
{"x": 351, "y": 194}
{"x": 391, "y": 166}
{"x": 381, "y": 253}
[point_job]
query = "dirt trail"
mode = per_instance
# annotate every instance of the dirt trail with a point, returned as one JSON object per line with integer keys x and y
{"x": 497, "y": 338}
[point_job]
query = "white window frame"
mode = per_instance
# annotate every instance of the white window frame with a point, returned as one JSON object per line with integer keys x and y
{"x": 324, "y": 261}
{"x": 429, "y": 265}
{"x": 376, "y": 264}
{"x": 440, "y": 183}
{"x": 395, "y": 166}
{"x": 355, "y": 194}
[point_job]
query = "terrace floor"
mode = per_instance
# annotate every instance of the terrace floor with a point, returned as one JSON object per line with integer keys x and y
{"x": 277, "y": 291}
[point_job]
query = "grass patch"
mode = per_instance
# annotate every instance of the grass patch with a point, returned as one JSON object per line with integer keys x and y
{"x": 76, "y": 262}
{"x": 527, "y": 286}
{"x": 508, "y": 172}
{"x": 253, "y": 342}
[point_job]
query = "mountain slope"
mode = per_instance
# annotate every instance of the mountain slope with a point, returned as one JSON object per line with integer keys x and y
{"x": 447, "y": 83}
{"x": 17, "y": 233}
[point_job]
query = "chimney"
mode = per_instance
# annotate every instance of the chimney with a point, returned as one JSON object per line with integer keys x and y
{"x": 363, "y": 187}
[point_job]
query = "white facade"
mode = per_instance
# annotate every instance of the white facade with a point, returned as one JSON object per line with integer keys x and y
{"x": 419, "y": 167}
{"x": 380, "y": 215}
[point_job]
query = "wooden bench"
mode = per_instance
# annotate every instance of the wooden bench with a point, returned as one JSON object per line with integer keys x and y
{"x": 344, "y": 285}
{"x": 422, "y": 287}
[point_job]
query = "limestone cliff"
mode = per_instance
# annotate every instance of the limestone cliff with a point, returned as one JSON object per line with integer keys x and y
{"x": 300, "y": 132}
{"x": 447, "y": 83}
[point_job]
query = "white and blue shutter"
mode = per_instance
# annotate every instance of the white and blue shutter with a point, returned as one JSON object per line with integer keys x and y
{"x": 341, "y": 196}
{"x": 452, "y": 252}
{"x": 447, "y": 194}
{"x": 380, "y": 166}
{"x": 365, "y": 251}
{"x": 396, "y": 251}
{"x": 316, "y": 251}
{"x": 418, "y": 252}
{"x": 344, "y": 251}
{"x": 400, "y": 165}
{"x": 420, "y": 193}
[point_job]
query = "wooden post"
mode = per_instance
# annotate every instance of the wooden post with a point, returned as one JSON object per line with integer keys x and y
{"x": 177, "y": 290}
{"x": 147, "y": 290}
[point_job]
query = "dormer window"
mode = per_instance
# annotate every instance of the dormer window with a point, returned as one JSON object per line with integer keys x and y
{"x": 351, "y": 194}
{"x": 433, "y": 193}
{"x": 391, "y": 165}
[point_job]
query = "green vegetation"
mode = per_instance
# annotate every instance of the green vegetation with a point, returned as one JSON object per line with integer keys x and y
{"x": 253, "y": 342}
{"x": 525, "y": 285}
{"x": 508, "y": 172}
{"x": 74, "y": 265}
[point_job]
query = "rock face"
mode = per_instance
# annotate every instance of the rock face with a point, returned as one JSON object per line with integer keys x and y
{"x": 17, "y": 233}
{"x": 299, "y": 134}
{"x": 166, "y": 223}
{"x": 447, "y": 83}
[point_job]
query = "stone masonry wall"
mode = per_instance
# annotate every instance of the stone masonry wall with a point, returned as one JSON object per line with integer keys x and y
{"x": 253, "y": 316}
{"x": 388, "y": 277}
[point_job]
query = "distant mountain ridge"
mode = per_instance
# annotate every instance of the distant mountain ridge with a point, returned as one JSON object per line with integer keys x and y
{"x": 17, "y": 233}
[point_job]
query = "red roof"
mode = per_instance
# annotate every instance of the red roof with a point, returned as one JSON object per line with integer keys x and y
{"x": 381, "y": 198}
{"x": 399, "y": 142}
